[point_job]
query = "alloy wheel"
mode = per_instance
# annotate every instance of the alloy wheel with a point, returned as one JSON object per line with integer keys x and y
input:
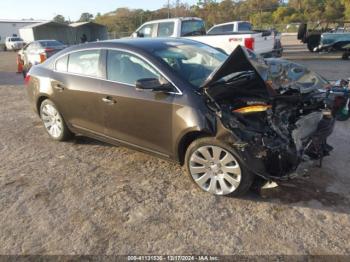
{"x": 215, "y": 170}
{"x": 52, "y": 120}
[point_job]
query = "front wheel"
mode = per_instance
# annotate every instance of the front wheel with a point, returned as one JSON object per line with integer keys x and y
{"x": 53, "y": 121}
{"x": 216, "y": 168}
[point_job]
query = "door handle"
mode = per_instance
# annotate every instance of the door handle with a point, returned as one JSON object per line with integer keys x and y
{"x": 59, "y": 87}
{"x": 108, "y": 100}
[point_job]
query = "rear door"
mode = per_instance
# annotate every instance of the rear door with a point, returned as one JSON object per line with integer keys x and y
{"x": 77, "y": 90}
{"x": 138, "y": 118}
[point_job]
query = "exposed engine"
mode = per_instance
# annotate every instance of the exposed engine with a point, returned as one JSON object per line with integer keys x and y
{"x": 277, "y": 110}
{"x": 283, "y": 132}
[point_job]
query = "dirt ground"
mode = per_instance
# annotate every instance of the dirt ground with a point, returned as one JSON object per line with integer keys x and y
{"x": 87, "y": 197}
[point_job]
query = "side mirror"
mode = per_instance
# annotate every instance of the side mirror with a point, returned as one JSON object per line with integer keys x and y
{"x": 153, "y": 84}
{"x": 139, "y": 34}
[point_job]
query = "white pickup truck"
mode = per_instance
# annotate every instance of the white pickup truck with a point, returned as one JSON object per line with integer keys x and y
{"x": 225, "y": 37}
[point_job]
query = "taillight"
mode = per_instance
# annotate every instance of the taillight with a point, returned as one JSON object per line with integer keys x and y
{"x": 27, "y": 79}
{"x": 249, "y": 43}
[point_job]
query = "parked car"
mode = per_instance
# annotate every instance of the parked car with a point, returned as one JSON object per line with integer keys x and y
{"x": 335, "y": 42}
{"x": 14, "y": 43}
{"x": 227, "y": 118}
{"x": 194, "y": 28}
{"x": 312, "y": 37}
{"x": 38, "y": 51}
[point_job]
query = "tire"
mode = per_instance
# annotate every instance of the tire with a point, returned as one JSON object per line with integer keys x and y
{"x": 53, "y": 122}
{"x": 219, "y": 173}
{"x": 313, "y": 41}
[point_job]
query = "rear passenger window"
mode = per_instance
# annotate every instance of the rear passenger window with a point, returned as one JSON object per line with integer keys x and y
{"x": 125, "y": 68}
{"x": 62, "y": 64}
{"x": 244, "y": 26}
{"x": 165, "y": 29}
{"x": 222, "y": 29}
{"x": 84, "y": 63}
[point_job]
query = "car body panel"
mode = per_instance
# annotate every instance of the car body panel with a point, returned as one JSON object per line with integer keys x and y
{"x": 334, "y": 42}
{"x": 164, "y": 123}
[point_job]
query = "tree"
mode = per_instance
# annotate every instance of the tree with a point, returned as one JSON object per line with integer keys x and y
{"x": 60, "y": 19}
{"x": 86, "y": 17}
{"x": 346, "y": 4}
{"x": 334, "y": 10}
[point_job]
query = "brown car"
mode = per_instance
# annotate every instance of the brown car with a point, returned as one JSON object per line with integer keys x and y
{"x": 229, "y": 119}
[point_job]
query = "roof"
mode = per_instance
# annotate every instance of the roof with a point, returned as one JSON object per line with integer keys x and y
{"x": 145, "y": 44}
{"x": 173, "y": 19}
{"x": 77, "y": 24}
{"x": 74, "y": 25}
{"x": 43, "y": 23}
{"x": 21, "y": 21}
{"x": 231, "y": 23}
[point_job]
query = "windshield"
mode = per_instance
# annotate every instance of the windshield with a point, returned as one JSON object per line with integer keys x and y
{"x": 192, "y": 27}
{"x": 15, "y": 39}
{"x": 50, "y": 43}
{"x": 193, "y": 62}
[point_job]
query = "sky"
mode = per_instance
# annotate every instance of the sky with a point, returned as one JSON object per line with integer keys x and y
{"x": 71, "y": 9}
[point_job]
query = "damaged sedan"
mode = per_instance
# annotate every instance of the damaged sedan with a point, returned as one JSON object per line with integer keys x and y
{"x": 228, "y": 119}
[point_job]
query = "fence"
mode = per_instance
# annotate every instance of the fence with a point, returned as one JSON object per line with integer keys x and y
{"x": 117, "y": 35}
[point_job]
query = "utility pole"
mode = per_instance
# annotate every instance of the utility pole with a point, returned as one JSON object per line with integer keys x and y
{"x": 168, "y": 8}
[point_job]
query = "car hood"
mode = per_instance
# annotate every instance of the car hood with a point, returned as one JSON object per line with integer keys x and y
{"x": 271, "y": 76}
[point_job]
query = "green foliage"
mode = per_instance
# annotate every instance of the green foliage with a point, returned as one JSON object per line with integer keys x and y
{"x": 346, "y": 4}
{"x": 60, "y": 19}
{"x": 86, "y": 17}
{"x": 261, "y": 13}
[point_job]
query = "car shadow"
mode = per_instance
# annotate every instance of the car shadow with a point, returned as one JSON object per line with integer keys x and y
{"x": 83, "y": 140}
{"x": 315, "y": 192}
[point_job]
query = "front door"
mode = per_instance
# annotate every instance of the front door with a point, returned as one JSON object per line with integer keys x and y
{"x": 139, "y": 118}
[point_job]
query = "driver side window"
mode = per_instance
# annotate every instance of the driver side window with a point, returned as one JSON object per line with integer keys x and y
{"x": 147, "y": 30}
{"x": 126, "y": 68}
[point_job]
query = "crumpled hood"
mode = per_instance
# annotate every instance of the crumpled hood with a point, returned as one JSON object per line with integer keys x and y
{"x": 277, "y": 74}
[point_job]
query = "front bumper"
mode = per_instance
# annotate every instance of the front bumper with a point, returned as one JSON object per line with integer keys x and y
{"x": 260, "y": 161}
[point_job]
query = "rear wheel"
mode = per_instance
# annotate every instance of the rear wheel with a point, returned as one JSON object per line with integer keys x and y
{"x": 53, "y": 121}
{"x": 215, "y": 168}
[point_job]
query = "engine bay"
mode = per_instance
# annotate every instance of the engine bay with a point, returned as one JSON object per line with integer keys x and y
{"x": 283, "y": 131}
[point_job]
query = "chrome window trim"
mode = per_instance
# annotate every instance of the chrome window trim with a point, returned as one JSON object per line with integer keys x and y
{"x": 179, "y": 92}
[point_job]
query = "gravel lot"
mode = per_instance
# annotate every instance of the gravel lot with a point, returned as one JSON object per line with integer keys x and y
{"x": 86, "y": 197}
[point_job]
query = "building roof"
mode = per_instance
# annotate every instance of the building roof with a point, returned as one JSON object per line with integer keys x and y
{"x": 77, "y": 24}
{"x": 21, "y": 21}
{"x": 43, "y": 23}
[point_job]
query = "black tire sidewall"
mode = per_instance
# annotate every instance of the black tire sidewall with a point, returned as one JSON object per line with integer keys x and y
{"x": 247, "y": 177}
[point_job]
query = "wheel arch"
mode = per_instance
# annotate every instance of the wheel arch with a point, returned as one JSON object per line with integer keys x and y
{"x": 39, "y": 101}
{"x": 186, "y": 140}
